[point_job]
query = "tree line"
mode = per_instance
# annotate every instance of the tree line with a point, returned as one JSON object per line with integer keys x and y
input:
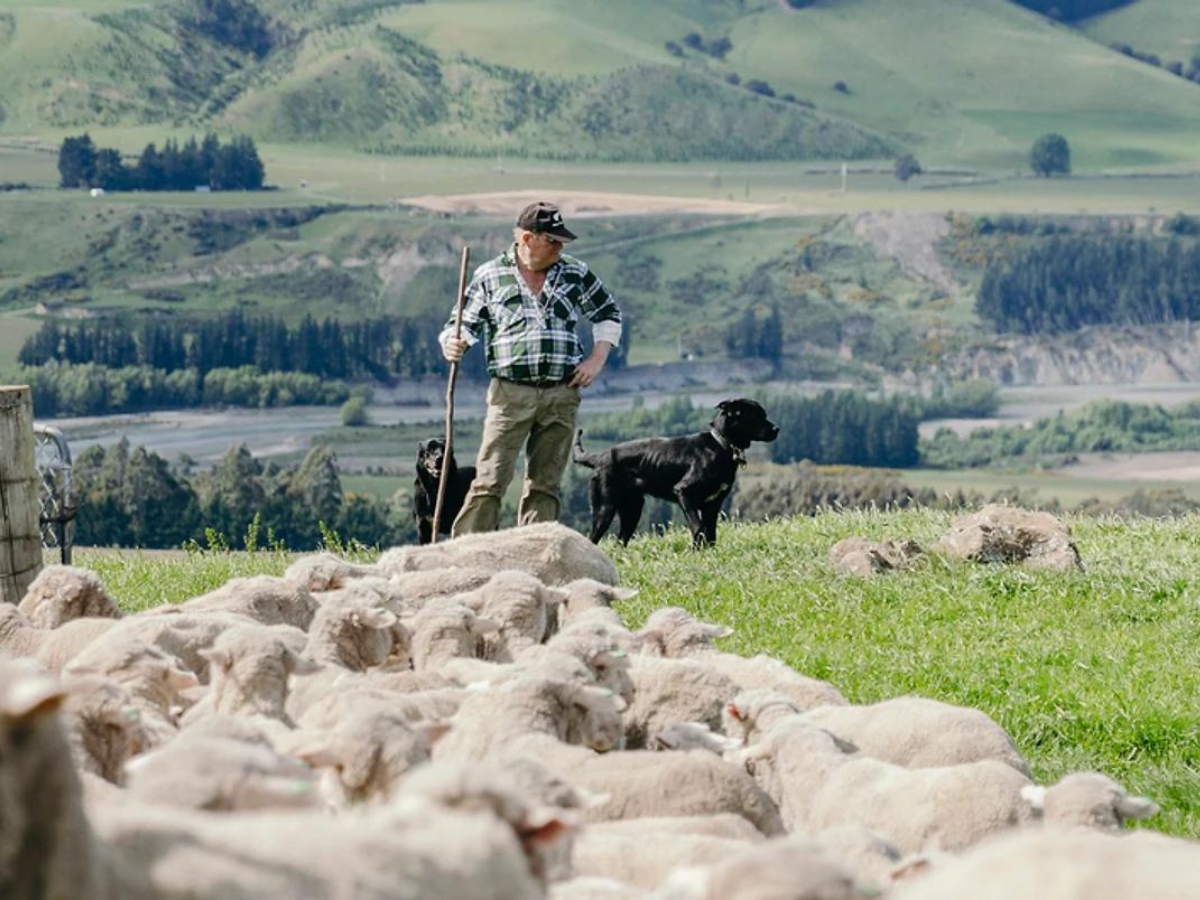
{"x": 1108, "y": 426}
{"x": 832, "y": 427}
{"x": 135, "y": 498}
{"x": 1068, "y": 281}
{"x": 235, "y": 166}
{"x": 88, "y": 389}
{"x": 372, "y": 348}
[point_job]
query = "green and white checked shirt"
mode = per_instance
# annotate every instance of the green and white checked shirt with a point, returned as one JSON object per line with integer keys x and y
{"x": 528, "y": 338}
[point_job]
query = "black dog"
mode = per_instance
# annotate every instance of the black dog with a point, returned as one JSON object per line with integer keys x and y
{"x": 696, "y": 471}
{"x": 430, "y": 455}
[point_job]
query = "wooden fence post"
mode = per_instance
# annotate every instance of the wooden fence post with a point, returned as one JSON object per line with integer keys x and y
{"x": 20, "y": 536}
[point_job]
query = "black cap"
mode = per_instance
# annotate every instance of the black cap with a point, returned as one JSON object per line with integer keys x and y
{"x": 544, "y": 218}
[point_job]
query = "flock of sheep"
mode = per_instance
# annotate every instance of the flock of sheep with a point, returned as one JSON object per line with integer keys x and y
{"x": 473, "y": 719}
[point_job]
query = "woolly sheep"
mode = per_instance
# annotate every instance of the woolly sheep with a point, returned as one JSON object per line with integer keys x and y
{"x": 673, "y": 632}
{"x": 791, "y": 869}
{"x": 442, "y": 631}
{"x": 220, "y": 775}
{"x": 553, "y": 552}
{"x": 154, "y": 679}
{"x": 319, "y": 572}
{"x": 722, "y": 825}
{"x": 519, "y": 604}
{"x": 250, "y": 666}
{"x": 667, "y": 691}
{"x": 914, "y": 732}
{"x": 917, "y": 732}
{"x": 103, "y": 726}
{"x": 418, "y": 588}
{"x": 351, "y": 636}
{"x": 49, "y": 849}
{"x": 63, "y": 593}
{"x": 584, "y": 594}
{"x": 414, "y": 708}
{"x": 532, "y": 713}
{"x": 264, "y": 598}
{"x": 1071, "y": 864}
{"x": 367, "y": 753}
{"x": 818, "y": 783}
{"x": 594, "y": 889}
{"x": 51, "y": 648}
{"x": 642, "y": 861}
{"x": 692, "y": 736}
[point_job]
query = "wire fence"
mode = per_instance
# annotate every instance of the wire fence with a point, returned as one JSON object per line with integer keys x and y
{"x": 56, "y": 497}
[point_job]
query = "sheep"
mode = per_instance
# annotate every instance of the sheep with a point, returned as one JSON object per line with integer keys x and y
{"x": 250, "y": 668}
{"x": 553, "y": 552}
{"x": 721, "y": 825}
{"x": 819, "y": 781}
{"x": 528, "y": 712}
{"x": 414, "y": 708}
{"x": 220, "y": 775}
{"x": 519, "y": 604}
{"x": 645, "y": 861}
{"x": 585, "y": 594}
{"x": 674, "y": 632}
{"x": 692, "y": 736}
{"x": 367, "y": 753}
{"x": 153, "y": 678}
{"x": 443, "y": 631}
{"x": 103, "y": 725}
{"x": 594, "y": 889}
{"x": 1071, "y": 864}
{"x": 352, "y": 637}
{"x": 263, "y": 598}
{"x": 48, "y": 847}
{"x": 791, "y": 869}
{"x": 51, "y": 648}
{"x": 320, "y": 572}
{"x": 667, "y": 691}
{"x": 418, "y": 588}
{"x": 63, "y": 593}
{"x": 914, "y": 732}
{"x": 1091, "y": 800}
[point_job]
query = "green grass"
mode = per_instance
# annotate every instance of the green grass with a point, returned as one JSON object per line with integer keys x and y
{"x": 1069, "y": 490}
{"x": 959, "y": 81}
{"x": 1088, "y": 670}
{"x": 1167, "y": 28}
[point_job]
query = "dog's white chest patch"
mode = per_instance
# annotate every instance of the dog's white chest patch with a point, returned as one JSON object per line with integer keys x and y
{"x": 717, "y": 493}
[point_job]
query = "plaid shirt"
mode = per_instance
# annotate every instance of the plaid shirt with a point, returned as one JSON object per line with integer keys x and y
{"x": 528, "y": 338}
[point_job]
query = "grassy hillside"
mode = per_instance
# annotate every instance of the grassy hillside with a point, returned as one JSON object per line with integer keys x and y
{"x": 1169, "y": 29}
{"x": 1092, "y": 670}
{"x": 958, "y": 81}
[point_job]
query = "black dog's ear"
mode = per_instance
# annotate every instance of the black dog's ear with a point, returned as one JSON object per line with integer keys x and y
{"x": 422, "y": 446}
{"x": 726, "y": 404}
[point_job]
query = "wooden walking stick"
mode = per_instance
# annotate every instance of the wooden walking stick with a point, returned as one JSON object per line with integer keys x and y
{"x": 441, "y": 495}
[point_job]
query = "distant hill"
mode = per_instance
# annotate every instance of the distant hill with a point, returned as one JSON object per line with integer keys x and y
{"x": 956, "y": 81}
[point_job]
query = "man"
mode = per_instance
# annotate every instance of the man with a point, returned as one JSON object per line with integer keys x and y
{"x": 524, "y": 306}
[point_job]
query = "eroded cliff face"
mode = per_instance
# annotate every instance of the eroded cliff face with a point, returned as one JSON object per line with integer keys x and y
{"x": 1159, "y": 355}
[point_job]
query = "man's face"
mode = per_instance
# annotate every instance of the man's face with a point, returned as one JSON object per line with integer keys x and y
{"x": 542, "y": 250}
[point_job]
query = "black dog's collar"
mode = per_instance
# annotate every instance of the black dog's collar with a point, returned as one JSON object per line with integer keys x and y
{"x": 739, "y": 457}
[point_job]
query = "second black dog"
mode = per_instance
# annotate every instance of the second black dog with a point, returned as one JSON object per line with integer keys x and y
{"x": 696, "y": 471}
{"x": 431, "y": 456}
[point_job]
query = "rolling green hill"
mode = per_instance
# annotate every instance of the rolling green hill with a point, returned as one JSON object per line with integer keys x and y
{"x": 957, "y": 81}
{"x": 1170, "y": 29}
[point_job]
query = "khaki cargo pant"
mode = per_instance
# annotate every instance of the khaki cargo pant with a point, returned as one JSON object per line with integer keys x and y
{"x": 540, "y": 419}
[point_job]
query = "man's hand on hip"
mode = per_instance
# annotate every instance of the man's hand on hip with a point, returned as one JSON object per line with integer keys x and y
{"x": 589, "y": 370}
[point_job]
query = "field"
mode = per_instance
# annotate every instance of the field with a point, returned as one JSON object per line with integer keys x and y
{"x": 1093, "y": 670}
{"x": 1166, "y": 28}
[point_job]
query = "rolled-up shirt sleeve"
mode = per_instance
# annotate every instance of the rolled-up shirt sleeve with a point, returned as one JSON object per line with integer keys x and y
{"x": 600, "y": 307}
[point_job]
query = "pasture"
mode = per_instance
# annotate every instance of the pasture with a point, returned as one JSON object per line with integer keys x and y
{"x": 1094, "y": 669}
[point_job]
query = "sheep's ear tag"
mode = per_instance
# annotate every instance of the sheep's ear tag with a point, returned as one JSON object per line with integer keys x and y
{"x": 30, "y": 698}
{"x": 735, "y": 712}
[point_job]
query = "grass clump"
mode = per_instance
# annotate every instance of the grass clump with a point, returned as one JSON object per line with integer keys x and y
{"x": 1086, "y": 670}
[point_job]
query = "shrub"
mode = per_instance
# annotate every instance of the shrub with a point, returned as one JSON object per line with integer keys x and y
{"x": 841, "y": 87}
{"x": 906, "y": 167}
{"x": 354, "y": 413}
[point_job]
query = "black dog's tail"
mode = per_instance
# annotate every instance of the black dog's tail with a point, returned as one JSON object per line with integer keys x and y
{"x": 581, "y": 456}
